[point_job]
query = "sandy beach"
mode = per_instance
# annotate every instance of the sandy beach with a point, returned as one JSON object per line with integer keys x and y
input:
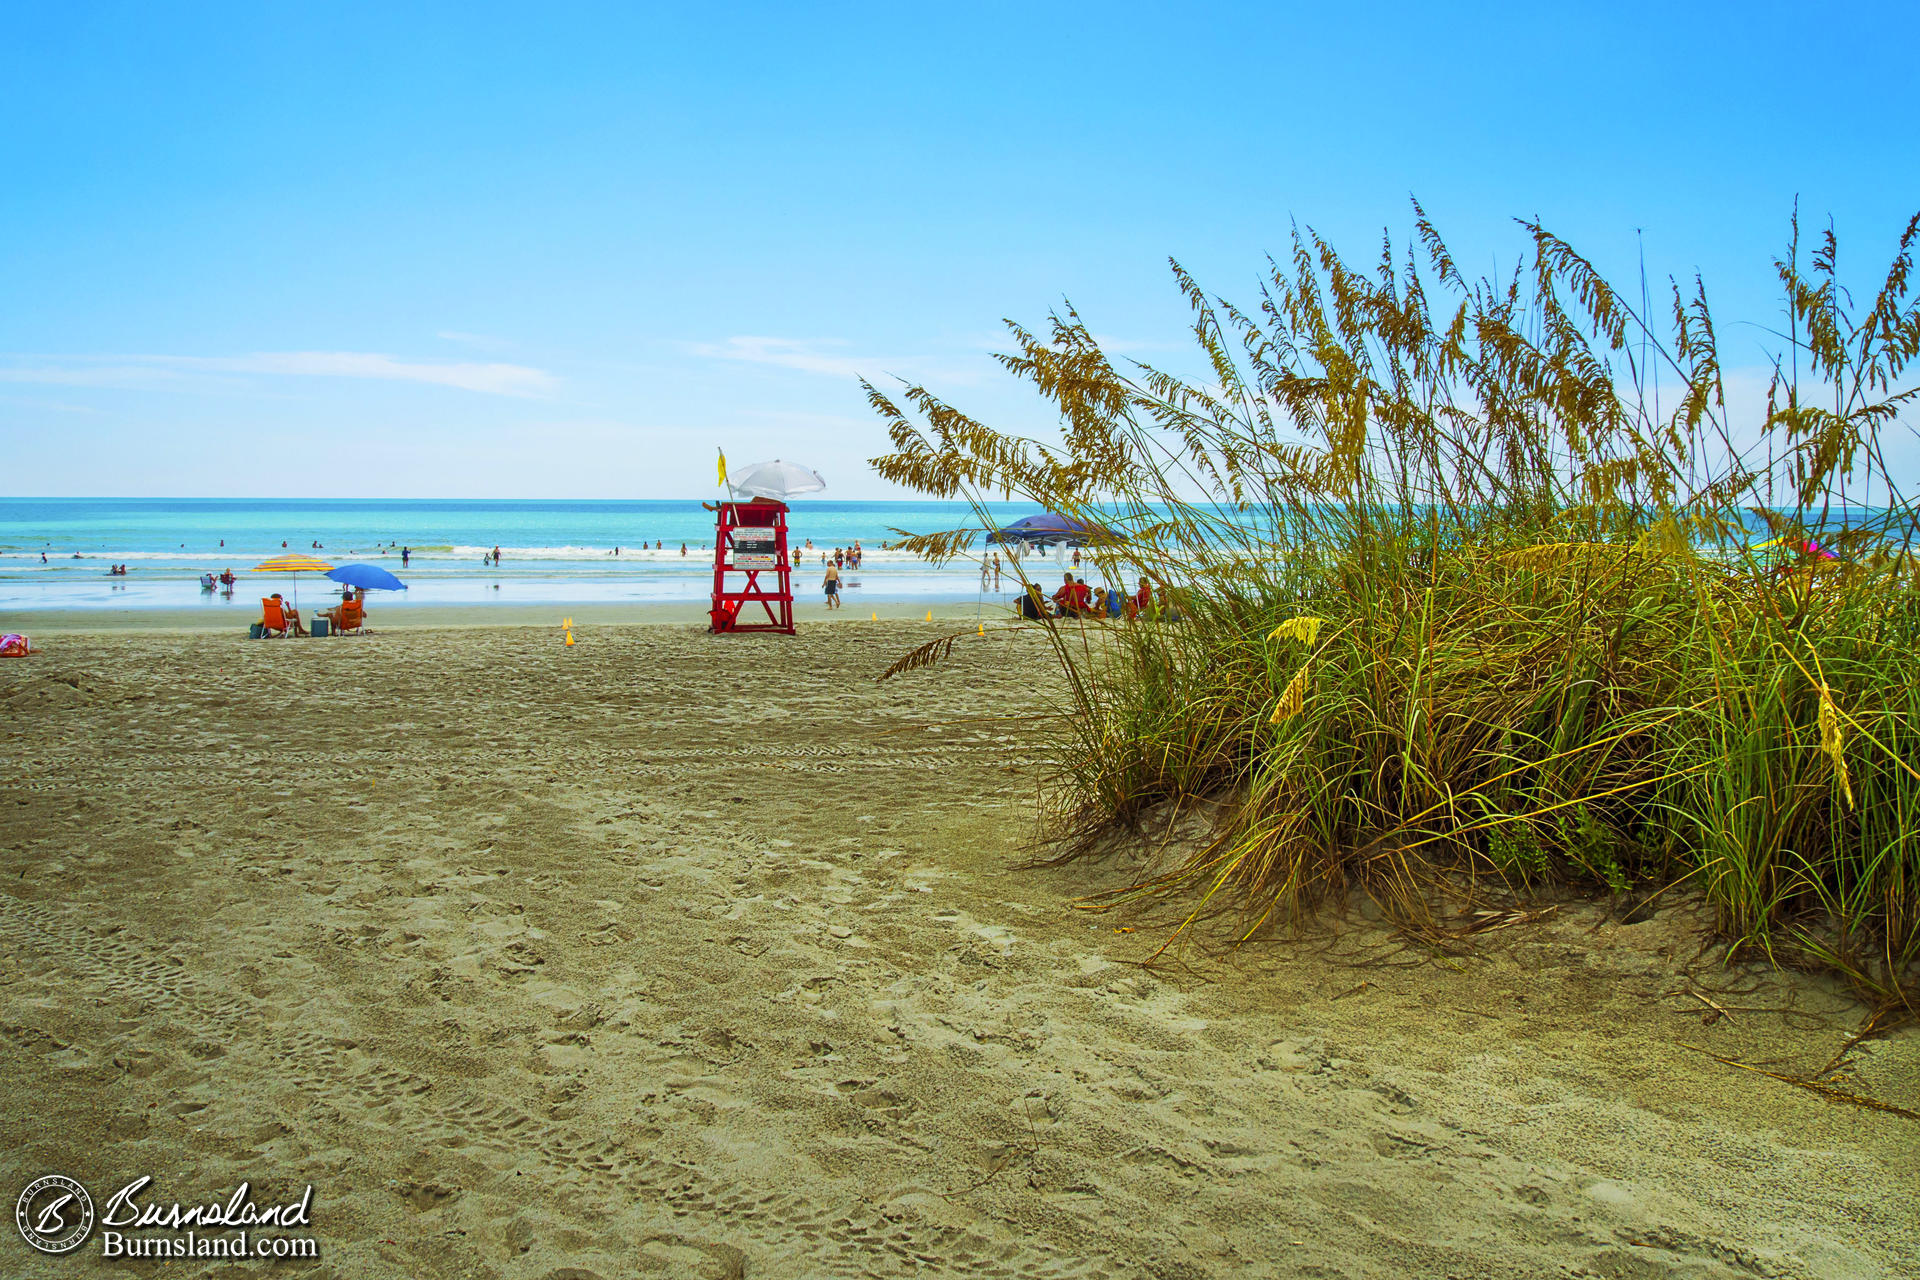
{"x": 668, "y": 955}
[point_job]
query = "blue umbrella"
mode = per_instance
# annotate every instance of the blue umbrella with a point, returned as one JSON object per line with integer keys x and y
{"x": 1047, "y": 528}
{"x": 369, "y": 577}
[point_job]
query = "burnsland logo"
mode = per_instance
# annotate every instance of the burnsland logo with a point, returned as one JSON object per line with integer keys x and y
{"x": 55, "y": 1215}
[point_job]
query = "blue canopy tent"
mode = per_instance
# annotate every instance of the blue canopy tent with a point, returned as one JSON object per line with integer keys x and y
{"x": 1047, "y": 528}
{"x": 368, "y": 577}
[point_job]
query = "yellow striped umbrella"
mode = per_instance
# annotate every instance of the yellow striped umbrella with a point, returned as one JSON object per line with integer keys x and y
{"x": 295, "y": 563}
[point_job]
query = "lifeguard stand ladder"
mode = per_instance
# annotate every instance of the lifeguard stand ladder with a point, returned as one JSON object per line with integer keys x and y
{"x": 750, "y": 539}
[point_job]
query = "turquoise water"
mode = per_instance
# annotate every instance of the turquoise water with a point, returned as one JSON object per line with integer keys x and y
{"x": 551, "y": 551}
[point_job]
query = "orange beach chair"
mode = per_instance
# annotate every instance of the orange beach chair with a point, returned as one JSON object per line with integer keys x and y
{"x": 276, "y": 619}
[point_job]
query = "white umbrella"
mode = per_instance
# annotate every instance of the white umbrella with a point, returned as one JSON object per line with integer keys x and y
{"x": 777, "y": 480}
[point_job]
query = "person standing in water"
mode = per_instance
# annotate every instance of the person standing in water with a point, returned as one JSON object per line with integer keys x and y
{"x": 496, "y": 557}
{"x": 831, "y": 585}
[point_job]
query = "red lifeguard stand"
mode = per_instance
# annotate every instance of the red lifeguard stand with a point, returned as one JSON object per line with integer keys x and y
{"x": 749, "y": 539}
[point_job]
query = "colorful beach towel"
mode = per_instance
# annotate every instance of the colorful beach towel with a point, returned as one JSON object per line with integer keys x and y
{"x": 13, "y": 645}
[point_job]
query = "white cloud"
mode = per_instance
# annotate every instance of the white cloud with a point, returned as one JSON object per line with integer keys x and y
{"x": 1116, "y": 346}
{"x": 89, "y": 374}
{"x": 827, "y": 356}
{"x": 789, "y": 353}
{"x": 490, "y": 378}
{"x": 483, "y": 341}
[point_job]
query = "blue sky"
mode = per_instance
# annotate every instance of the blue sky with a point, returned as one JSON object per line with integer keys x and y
{"x": 567, "y": 250}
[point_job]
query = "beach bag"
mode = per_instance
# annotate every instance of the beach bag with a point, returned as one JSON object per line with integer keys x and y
{"x": 255, "y": 630}
{"x": 14, "y": 645}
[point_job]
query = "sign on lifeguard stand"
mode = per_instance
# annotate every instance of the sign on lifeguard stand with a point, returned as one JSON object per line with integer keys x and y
{"x": 750, "y": 540}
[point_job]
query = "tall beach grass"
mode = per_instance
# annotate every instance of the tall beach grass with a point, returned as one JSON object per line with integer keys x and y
{"x": 1468, "y": 595}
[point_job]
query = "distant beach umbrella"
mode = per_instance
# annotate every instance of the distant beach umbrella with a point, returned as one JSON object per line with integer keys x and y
{"x": 1808, "y": 547}
{"x": 368, "y": 577}
{"x": 777, "y": 480}
{"x": 1047, "y": 528}
{"x": 295, "y": 563}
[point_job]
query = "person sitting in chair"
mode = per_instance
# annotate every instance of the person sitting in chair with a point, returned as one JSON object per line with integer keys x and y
{"x": 1063, "y": 599}
{"x": 350, "y": 612}
{"x": 1140, "y": 604}
{"x": 274, "y": 605}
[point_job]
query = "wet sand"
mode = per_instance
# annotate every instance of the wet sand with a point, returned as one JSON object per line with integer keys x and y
{"x": 668, "y": 955}
{"x": 232, "y": 619}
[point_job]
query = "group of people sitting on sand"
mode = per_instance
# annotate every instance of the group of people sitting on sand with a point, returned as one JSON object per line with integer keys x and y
{"x": 280, "y": 618}
{"x": 1077, "y": 598}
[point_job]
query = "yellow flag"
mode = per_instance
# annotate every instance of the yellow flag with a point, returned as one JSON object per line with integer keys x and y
{"x": 723, "y": 468}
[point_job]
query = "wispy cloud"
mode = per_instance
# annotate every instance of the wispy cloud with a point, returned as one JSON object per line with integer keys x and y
{"x": 489, "y": 379}
{"x": 49, "y": 406}
{"x": 1118, "y": 346}
{"x": 86, "y": 373}
{"x": 833, "y": 358}
{"x": 130, "y": 371}
{"x": 809, "y": 356}
{"x": 485, "y": 342}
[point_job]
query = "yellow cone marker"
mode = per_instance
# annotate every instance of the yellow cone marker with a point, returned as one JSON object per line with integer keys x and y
{"x": 929, "y": 615}
{"x": 875, "y": 617}
{"x": 566, "y": 625}
{"x": 982, "y": 628}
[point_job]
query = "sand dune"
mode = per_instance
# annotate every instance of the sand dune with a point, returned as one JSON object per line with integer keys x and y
{"x": 668, "y": 955}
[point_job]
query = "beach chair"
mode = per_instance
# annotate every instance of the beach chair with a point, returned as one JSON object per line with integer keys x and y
{"x": 348, "y": 616}
{"x": 273, "y": 619}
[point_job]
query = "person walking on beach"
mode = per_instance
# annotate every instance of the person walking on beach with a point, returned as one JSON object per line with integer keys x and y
{"x": 996, "y": 571}
{"x": 831, "y": 585}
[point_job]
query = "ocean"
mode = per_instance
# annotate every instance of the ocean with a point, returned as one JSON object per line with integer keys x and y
{"x": 552, "y": 552}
